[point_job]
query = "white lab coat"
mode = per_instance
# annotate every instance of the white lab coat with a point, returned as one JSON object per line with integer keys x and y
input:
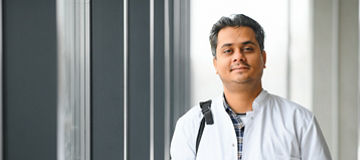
{"x": 276, "y": 129}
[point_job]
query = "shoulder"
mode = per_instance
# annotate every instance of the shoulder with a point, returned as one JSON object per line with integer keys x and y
{"x": 183, "y": 140}
{"x": 288, "y": 105}
{"x": 184, "y": 137}
{"x": 190, "y": 118}
{"x": 190, "y": 121}
{"x": 290, "y": 109}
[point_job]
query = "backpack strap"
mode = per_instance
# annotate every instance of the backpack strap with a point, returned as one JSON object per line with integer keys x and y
{"x": 200, "y": 132}
{"x": 205, "y": 109}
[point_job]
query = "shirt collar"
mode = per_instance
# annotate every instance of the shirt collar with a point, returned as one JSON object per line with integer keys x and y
{"x": 227, "y": 107}
{"x": 234, "y": 117}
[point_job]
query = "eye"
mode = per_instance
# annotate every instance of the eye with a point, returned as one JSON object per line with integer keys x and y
{"x": 248, "y": 49}
{"x": 228, "y": 51}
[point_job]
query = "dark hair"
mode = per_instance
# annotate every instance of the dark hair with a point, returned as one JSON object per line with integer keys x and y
{"x": 236, "y": 20}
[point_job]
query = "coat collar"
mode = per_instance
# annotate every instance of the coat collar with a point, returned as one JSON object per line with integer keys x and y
{"x": 259, "y": 100}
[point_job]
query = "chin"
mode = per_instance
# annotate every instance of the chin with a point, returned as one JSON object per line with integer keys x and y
{"x": 242, "y": 81}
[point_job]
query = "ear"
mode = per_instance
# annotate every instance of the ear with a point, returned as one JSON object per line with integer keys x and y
{"x": 215, "y": 64}
{"x": 264, "y": 58}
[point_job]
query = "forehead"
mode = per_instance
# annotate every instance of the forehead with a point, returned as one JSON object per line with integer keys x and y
{"x": 236, "y": 35}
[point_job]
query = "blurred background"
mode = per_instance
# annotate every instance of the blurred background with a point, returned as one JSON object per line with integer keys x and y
{"x": 108, "y": 79}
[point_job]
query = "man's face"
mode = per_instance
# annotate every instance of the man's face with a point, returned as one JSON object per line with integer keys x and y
{"x": 238, "y": 56}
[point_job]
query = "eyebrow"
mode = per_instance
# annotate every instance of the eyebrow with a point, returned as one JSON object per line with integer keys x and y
{"x": 230, "y": 44}
{"x": 249, "y": 42}
{"x": 226, "y": 45}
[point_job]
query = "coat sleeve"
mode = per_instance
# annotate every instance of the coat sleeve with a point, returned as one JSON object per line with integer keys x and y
{"x": 313, "y": 144}
{"x": 182, "y": 145}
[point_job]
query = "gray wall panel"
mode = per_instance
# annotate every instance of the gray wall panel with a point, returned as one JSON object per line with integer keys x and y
{"x": 30, "y": 66}
{"x": 139, "y": 80}
{"x": 107, "y": 80}
{"x": 335, "y": 74}
{"x": 159, "y": 79}
{"x": 348, "y": 78}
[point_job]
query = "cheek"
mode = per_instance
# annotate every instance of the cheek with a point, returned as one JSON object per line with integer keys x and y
{"x": 257, "y": 62}
{"x": 259, "y": 66}
{"x": 223, "y": 66}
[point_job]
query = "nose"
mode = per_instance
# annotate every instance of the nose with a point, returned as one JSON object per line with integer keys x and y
{"x": 239, "y": 57}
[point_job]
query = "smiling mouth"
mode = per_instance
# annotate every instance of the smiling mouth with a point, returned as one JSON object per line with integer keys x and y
{"x": 239, "y": 69}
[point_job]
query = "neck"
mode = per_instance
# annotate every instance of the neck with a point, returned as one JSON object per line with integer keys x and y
{"x": 240, "y": 99}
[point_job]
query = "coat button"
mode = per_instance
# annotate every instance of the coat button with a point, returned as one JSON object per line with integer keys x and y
{"x": 233, "y": 145}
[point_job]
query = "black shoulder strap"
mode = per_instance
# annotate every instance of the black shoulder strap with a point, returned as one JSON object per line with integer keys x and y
{"x": 201, "y": 129}
{"x": 205, "y": 109}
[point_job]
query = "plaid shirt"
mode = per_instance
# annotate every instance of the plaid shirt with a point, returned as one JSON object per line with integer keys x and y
{"x": 238, "y": 126}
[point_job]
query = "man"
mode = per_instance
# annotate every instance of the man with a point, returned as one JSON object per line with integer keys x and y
{"x": 248, "y": 122}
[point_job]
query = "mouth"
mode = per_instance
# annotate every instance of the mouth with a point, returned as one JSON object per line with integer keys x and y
{"x": 240, "y": 68}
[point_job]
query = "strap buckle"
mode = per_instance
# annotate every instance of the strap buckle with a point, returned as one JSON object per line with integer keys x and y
{"x": 205, "y": 109}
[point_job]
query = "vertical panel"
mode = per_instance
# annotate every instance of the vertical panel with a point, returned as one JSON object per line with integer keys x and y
{"x": 152, "y": 49}
{"x": 180, "y": 61}
{"x": 170, "y": 67}
{"x": 335, "y": 74}
{"x": 134, "y": 69}
{"x": 138, "y": 79}
{"x": 73, "y": 80}
{"x": 107, "y": 80}
{"x": 348, "y": 78}
{"x": 167, "y": 42}
{"x": 30, "y": 76}
{"x": 125, "y": 78}
{"x": 325, "y": 71}
{"x": 159, "y": 79}
{"x": 1, "y": 82}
